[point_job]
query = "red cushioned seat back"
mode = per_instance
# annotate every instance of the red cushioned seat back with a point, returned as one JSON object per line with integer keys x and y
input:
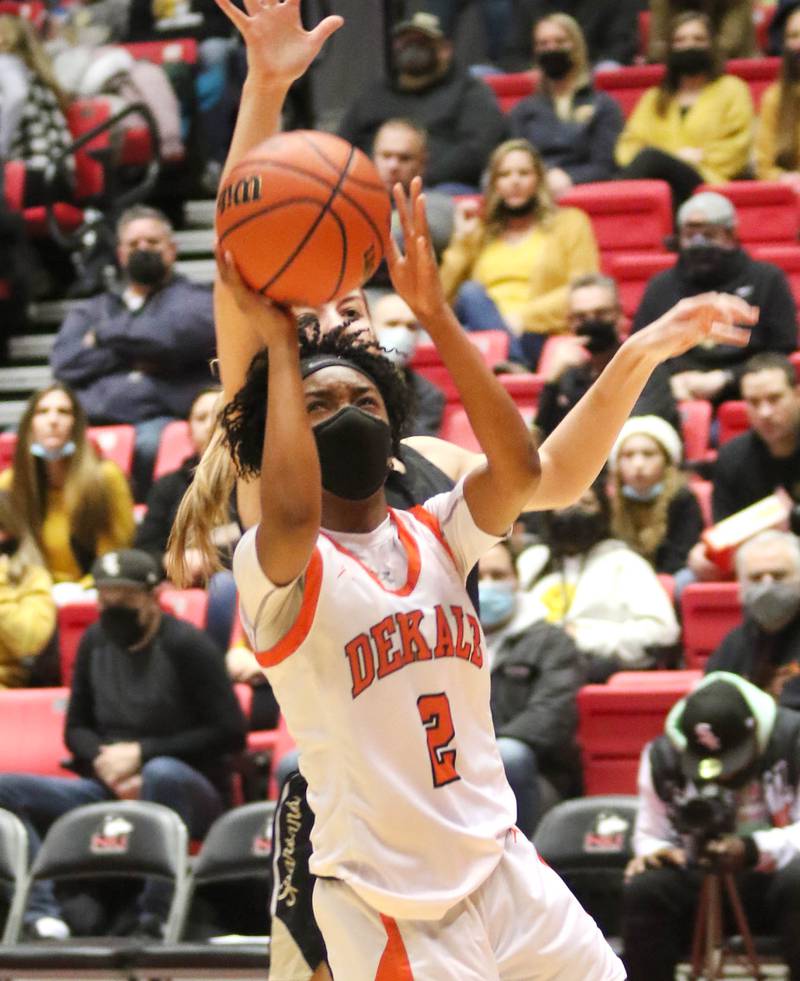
{"x": 709, "y": 611}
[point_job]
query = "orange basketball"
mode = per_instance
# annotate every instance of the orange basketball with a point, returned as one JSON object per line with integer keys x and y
{"x": 305, "y": 216}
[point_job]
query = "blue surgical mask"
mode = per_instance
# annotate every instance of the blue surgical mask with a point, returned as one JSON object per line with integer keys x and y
{"x": 56, "y": 453}
{"x": 497, "y": 600}
{"x": 644, "y": 496}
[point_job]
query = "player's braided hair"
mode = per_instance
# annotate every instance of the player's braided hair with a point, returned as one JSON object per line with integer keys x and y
{"x": 244, "y": 418}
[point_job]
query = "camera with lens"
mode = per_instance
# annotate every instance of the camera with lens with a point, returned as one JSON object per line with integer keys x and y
{"x": 703, "y": 817}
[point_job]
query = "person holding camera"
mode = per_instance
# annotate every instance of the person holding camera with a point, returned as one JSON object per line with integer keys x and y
{"x": 718, "y": 792}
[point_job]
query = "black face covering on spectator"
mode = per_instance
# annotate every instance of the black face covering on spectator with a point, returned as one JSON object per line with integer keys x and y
{"x": 706, "y": 263}
{"x": 121, "y": 624}
{"x": 9, "y": 546}
{"x": 516, "y": 210}
{"x": 600, "y": 335}
{"x": 690, "y": 61}
{"x": 792, "y": 62}
{"x": 574, "y": 531}
{"x": 145, "y": 267}
{"x": 556, "y": 64}
{"x": 417, "y": 58}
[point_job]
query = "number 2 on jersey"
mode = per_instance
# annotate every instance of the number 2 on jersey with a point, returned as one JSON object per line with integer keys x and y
{"x": 434, "y": 710}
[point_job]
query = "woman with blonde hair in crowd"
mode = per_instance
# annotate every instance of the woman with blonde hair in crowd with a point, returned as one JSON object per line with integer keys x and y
{"x": 508, "y": 265}
{"x": 778, "y": 136}
{"x": 652, "y": 508}
{"x": 697, "y": 125}
{"x": 572, "y": 125}
{"x": 33, "y": 124}
{"x": 27, "y": 610}
{"x": 77, "y": 505}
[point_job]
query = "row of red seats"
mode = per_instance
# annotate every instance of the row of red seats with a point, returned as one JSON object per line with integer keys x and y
{"x": 629, "y": 83}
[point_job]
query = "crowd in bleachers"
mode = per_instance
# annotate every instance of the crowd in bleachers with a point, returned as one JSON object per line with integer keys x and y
{"x": 634, "y": 160}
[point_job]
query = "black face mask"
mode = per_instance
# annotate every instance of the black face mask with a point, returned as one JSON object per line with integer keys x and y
{"x": 601, "y": 335}
{"x": 556, "y": 64}
{"x": 354, "y": 449}
{"x": 516, "y": 210}
{"x": 690, "y": 61}
{"x": 416, "y": 58}
{"x": 121, "y": 625}
{"x": 145, "y": 267}
{"x": 574, "y": 531}
{"x": 791, "y": 60}
{"x": 9, "y": 546}
{"x": 708, "y": 264}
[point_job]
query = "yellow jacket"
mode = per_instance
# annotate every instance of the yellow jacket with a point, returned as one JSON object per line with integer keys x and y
{"x": 55, "y": 533}
{"x": 720, "y": 122}
{"x": 566, "y": 247}
{"x": 27, "y": 621}
{"x": 767, "y": 136}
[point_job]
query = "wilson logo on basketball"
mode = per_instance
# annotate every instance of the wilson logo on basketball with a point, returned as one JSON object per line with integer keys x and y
{"x": 239, "y": 192}
{"x": 112, "y": 838}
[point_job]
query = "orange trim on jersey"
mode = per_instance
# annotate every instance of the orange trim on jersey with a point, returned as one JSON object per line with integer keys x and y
{"x": 409, "y": 544}
{"x": 298, "y": 631}
{"x": 394, "y": 964}
{"x": 433, "y": 524}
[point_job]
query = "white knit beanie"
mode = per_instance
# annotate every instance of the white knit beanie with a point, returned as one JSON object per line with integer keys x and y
{"x": 656, "y": 428}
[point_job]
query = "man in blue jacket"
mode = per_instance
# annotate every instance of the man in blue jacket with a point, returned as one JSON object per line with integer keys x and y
{"x": 140, "y": 354}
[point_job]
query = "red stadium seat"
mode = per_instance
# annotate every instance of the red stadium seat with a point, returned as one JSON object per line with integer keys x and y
{"x": 185, "y": 604}
{"x": 709, "y": 611}
{"x": 643, "y": 25}
{"x": 654, "y": 679}
{"x": 176, "y": 49}
{"x": 524, "y": 389}
{"x": 73, "y": 619}
{"x": 702, "y": 490}
{"x": 695, "y": 428}
{"x": 512, "y": 88}
{"x": 768, "y": 211}
{"x": 174, "y": 446}
{"x": 32, "y": 731}
{"x": 787, "y": 258}
{"x": 627, "y": 216}
{"x": 115, "y": 443}
{"x": 615, "y": 722}
{"x": 8, "y": 443}
{"x": 668, "y": 582}
{"x": 759, "y": 73}
{"x": 633, "y": 271}
{"x": 550, "y": 351}
{"x": 762, "y": 15}
{"x": 627, "y": 85}
{"x": 732, "y": 419}
{"x": 456, "y": 428}
{"x": 493, "y": 344}
{"x": 794, "y": 357}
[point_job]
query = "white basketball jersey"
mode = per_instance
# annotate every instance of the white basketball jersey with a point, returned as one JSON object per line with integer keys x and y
{"x": 386, "y": 693}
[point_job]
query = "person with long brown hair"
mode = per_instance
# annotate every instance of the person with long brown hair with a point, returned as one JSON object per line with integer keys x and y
{"x": 27, "y": 610}
{"x": 33, "y": 124}
{"x": 508, "y": 265}
{"x": 777, "y": 150}
{"x": 697, "y": 125}
{"x": 77, "y": 506}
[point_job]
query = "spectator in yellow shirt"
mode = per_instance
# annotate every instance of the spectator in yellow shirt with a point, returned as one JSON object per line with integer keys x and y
{"x": 697, "y": 125}
{"x": 27, "y": 610}
{"x": 77, "y": 506}
{"x": 508, "y": 267}
{"x": 778, "y": 136}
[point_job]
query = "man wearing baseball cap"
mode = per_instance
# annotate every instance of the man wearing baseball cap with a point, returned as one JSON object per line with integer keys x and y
{"x": 730, "y": 736}
{"x": 710, "y": 257}
{"x": 152, "y": 715}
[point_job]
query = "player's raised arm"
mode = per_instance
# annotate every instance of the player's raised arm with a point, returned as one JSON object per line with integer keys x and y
{"x": 287, "y": 465}
{"x": 577, "y": 449}
{"x": 496, "y": 491}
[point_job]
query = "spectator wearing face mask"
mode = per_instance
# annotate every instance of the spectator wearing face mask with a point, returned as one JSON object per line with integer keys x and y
{"x": 777, "y": 150}
{"x": 652, "y": 509}
{"x": 398, "y": 332}
{"x": 697, "y": 125}
{"x": 141, "y": 354}
{"x": 535, "y": 674}
{"x": 595, "y": 321}
{"x": 765, "y": 647}
{"x": 573, "y": 126}
{"x": 710, "y": 257}
{"x": 731, "y": 20}
{"x": 606, "y": 597}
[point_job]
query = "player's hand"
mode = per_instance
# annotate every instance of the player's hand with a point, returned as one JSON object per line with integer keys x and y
{"x": 727, "y": 854}
{"x": 661, "y": 859}
{"x": 270, "y": 322}
{"x": 279, "y": 49}
{"x": 414, "y": 271}
{"x": 720, "y": 317}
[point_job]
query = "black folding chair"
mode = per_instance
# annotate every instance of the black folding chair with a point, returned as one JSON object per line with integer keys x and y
{"x": 126, "y": 840}
{"x": 13, "y": 870}
{"x": 237, "y": 848}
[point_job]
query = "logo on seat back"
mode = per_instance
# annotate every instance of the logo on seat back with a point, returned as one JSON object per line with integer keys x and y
{"x": 607, "y": 835}
{"x": 262, "y": 841}
{"x": 113, "y": 836}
